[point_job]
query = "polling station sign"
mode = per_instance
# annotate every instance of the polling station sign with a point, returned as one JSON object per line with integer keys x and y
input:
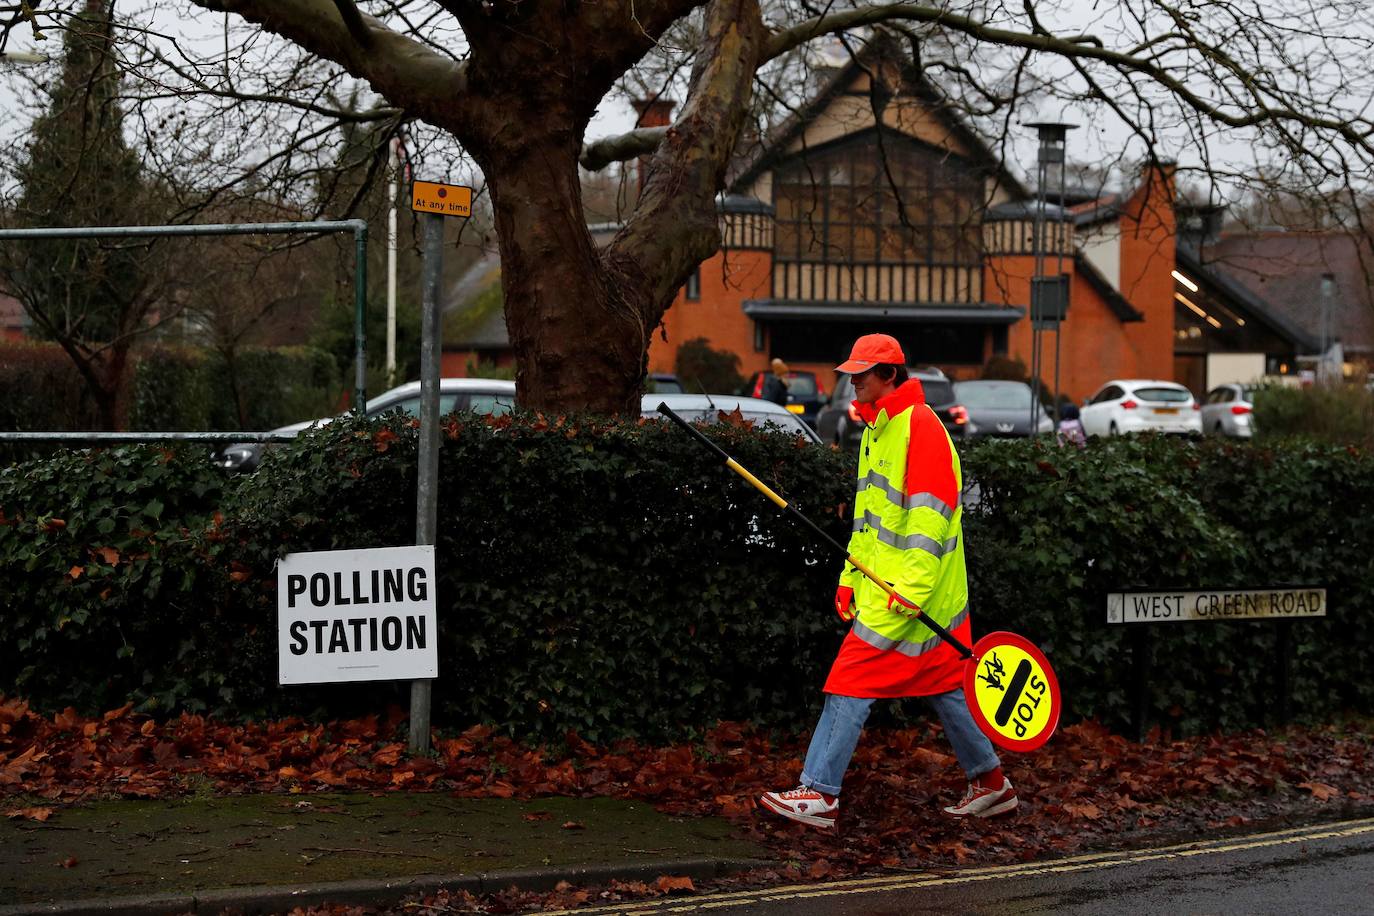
{"x": 1213, "y": 605}
{"x": 357, "y": 615}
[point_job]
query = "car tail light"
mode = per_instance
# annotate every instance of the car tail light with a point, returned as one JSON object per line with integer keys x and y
{"x": 854, "y": 415}
{"x": 959, "y": 414}
{"x": 1195, "y": 407}
{"x": 1129, "y": 405}
{"x": 1239, "y": 409}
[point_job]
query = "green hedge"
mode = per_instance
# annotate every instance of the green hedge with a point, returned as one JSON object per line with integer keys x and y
{"x": 182, "y": 388}
{"x": 616, "y": 580}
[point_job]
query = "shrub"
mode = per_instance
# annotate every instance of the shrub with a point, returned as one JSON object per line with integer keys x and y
{"x": 613, "y": 579}
{"x": 703, "y": 369}
{"x": 1337, "y": 414}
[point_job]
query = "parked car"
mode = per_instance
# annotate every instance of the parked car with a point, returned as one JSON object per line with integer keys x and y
{"x": 804, "y": 395}
{"x": 481, "y": 395}
{"x": 839, "y": 423}
{"x": 1001, "y": 409}
{"x": 708, "y": 407}
{"x": 1141, "y": 405}
{"x": 1229, "y": 411}
{"x": 662, "y": 383}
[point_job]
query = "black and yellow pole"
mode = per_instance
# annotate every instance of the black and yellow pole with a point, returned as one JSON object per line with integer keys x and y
{"x": 781, "y": 503}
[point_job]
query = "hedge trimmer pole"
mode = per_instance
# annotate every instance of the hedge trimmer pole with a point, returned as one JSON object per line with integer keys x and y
{"x": 963, "y": 650}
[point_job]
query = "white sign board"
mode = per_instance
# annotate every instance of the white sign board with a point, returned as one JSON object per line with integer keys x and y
{"x": 1234, "y": 604}
{"x": 357, "y": 615}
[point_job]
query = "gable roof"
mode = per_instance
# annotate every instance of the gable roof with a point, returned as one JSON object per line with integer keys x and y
{"x": 765, "y": 154}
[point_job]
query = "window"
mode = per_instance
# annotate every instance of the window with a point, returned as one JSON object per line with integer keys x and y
{"x": 693, "y": 290}
{"x": 862, "y": 202}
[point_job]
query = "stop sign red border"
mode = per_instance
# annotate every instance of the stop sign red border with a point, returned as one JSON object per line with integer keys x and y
{"x": 1003, "y": 638}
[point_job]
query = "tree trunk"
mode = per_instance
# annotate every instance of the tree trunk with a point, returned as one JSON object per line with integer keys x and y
{"x": 578, "y": 332}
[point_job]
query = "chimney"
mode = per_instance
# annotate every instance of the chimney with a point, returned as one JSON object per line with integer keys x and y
{"x": 654, "y": 112}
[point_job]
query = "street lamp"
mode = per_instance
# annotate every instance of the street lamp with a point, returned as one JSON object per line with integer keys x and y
{"x": 1049, "y": 295}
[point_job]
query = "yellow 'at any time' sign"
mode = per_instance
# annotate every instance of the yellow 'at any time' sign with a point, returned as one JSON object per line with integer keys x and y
{"x": 440, "y": 199}
{"x": 1012, "y": 692}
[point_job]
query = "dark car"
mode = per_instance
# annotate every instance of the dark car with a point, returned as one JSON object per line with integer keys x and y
{"x": 804, "y": 395}
{"x": 839, "y": 423}
{"x": 1001, "y": 409}
{"x": 662, "y": 383}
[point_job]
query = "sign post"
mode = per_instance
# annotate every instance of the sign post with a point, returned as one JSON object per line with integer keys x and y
{"x": 1282, "y": 605}
{"x": 434, "y": 202}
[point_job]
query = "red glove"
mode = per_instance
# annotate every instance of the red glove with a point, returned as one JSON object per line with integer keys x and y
{"x": 895, "y": 598}
{"x": 844, "y": 597}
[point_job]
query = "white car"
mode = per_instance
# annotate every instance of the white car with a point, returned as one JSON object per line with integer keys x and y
{"x": 1141, "y": 405}
{"x": 1229, "y": 411}
{"x": 481, "y": 395}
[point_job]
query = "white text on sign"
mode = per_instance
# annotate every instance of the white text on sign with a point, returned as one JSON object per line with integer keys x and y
{"x": 1240, "y": 604}
{"x": 357, "y": 615}
{"x": 440, "y": 199}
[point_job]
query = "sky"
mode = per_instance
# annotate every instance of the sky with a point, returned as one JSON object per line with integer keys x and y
{"x": 1100, "y": 136}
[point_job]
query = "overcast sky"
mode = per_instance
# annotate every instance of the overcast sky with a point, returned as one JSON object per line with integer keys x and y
{"x": 1101, "y": 136}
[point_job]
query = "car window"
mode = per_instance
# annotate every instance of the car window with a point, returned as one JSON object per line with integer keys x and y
{"x": 496, "y": 404}
{"x": 1216, "y": 396}
{"x": 1010, "y": 395}
{"x": 411, "y": 406}
{"x": 1160, "y": 394}
{"x": 938, "y": 391}
{"x": 664, "y": 386}
{"x": 801, "y": 384}
{"x": 843, "y": 393}
{"x": 1110, "y": 393}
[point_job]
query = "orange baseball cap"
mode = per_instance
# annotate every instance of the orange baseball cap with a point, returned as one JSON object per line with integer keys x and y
{"x": 869, "y": 351}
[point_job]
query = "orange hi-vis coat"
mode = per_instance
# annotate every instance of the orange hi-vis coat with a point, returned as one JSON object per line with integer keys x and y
{"x": 908, "y": 530}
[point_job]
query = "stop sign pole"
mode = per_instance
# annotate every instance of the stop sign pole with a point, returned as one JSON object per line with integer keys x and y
{"x": 433, "y": 202}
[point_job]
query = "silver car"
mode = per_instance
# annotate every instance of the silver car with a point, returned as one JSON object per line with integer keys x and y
{"x": 1229, "y": 411}
{"x": 481, "y": 395}
{"x": 697, "y": 407}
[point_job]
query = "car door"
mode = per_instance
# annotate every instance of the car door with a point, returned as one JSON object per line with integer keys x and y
{"x": 1214, "y": 407}
{"x": 1096, "y": 414}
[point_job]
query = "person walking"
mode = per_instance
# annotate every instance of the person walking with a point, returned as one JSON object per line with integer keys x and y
{"x": 907, "y": 529}
{"x": 773, "y": 385}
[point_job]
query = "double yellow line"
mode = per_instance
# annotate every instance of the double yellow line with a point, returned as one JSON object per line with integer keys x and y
{"x": 1084, "y": 863}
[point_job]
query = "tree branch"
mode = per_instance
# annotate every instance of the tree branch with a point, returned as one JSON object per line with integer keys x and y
{"x": 1078, "y": 47}
{"x": 354, "y": 21}
{"x": 639, "y": 142}
{"x": 402, "y": 69}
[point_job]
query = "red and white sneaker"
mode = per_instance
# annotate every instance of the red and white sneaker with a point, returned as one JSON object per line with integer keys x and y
{"x": 979, "y": 801}
{"x": 802, "y": 804}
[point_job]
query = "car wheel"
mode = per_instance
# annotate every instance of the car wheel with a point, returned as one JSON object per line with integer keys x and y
{"x": 1218, "y": 431}
{"x": 1112, "y": 430}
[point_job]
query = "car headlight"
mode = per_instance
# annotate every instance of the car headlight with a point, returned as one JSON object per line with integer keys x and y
{"x": 238, "y": 456}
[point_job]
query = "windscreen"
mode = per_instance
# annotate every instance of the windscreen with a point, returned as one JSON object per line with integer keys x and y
{"x": 801, "y": 385}
{"x": 938, "y": 392}
{"x": 495, "y": 404}
{"x": 1166, "y": 395}
{"x": 1010, "y": 396}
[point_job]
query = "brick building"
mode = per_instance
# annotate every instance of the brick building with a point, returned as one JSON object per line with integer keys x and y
{"x": 848, "y": 222}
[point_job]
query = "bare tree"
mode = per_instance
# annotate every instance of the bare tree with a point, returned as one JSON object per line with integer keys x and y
{"x": 515, "y": 83}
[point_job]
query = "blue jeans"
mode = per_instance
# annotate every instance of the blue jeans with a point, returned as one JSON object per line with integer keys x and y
{"x": 842, "y": 721}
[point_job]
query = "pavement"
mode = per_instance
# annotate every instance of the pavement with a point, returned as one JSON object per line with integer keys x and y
{"x": 272, "y": 853}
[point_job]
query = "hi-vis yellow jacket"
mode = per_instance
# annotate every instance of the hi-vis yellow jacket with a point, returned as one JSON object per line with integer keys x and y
{"x": 907, "y": 529}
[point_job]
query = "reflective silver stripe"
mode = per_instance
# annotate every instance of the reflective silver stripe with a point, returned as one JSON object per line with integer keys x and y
{"x": 878, "y": 641}
{"x": 904, "y": 541}
{"x": 897, "y": 497}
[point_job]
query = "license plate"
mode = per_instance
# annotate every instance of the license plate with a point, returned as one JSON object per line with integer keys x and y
{"x": 796, "y": 408}
{"x": 1166, "y": 410}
